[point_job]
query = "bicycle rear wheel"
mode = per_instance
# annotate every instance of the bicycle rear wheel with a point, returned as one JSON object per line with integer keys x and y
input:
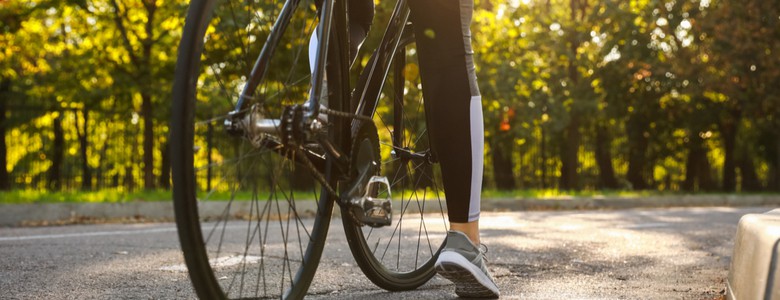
{"x": 252, "y": 217}
{"x": 401, "y": 256}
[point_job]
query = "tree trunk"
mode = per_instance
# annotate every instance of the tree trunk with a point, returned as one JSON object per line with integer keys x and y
{"x": 209, "y": 152}
{"x": 569, "y": 159}
{"x": 165, "y": 176}
{"x": 604, "y": 158}
{"x": 146, "y": 96}
{"x": 86, "y": 172}
{"x": 729, "y": 131}
{"x": 143, "y": 79}
{"x": 543, "y": 152}
{"x": 750, "y": 181}
{"x": 101, "y": 153}
{"x": 502, "y": 166}
{"x": 148, "y": 144}
{"x": 693, "y": 164}
{"x": 571, "y": 143}
{"x": 5, "y": 178}
{"x": 637, "y": 147}
{"x": 776, "y": 179}
{"x": 706, "y": 182}
{"x": 129, "y": 179}
{"x": 54, "y": 173}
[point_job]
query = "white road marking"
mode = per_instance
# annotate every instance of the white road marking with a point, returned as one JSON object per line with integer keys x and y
{"x": 226, "y": 261}
{"x": 105, "y": 233}
{"x": 175, "y": 268}
{"x": 85, "y": 234}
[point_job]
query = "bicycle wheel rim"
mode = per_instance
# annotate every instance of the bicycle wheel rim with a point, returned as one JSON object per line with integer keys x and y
{"x": 402, "y": 256}
{"x": 265, "y": 239}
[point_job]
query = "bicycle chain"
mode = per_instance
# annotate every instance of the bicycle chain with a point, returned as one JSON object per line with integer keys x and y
{"x": 342, "y": 114}
{"x": 317, "y": 175}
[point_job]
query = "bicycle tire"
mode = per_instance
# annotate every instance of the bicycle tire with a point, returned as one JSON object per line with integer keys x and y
{"x": 240, "y": 253}
{"x": 396, "y": 271}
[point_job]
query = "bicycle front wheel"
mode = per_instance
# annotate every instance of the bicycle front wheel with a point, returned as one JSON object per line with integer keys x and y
{"x": 252, "y": 217}
{"x": 400, "y": 256}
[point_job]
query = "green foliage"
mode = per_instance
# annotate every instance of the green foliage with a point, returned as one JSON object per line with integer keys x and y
{"x": 649, "y": 94}
{"x": 651, "y": 72}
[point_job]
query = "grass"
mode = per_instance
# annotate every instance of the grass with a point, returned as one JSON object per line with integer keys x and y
{"x": 116, "y": 196}
{"x": 101, "y": 196}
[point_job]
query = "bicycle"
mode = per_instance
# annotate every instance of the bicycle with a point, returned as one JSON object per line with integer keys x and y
{"x": 282, "y": 147}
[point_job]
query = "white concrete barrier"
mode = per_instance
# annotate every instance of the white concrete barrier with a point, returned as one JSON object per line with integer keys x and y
{"x": 755, "y": 269}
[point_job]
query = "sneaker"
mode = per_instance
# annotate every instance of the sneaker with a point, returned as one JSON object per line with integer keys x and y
{"x": 463, "y": 263}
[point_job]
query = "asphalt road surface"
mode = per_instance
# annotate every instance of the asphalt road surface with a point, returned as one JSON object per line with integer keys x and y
{"x": 628, "y": 254}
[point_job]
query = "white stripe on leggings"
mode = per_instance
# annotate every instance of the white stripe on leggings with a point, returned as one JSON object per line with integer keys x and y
{"x": 477, "y": 149}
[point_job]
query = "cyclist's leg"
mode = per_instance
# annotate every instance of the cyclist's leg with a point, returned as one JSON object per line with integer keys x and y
{"x": 454, "y": 106}
{"x": 455, "y": 125}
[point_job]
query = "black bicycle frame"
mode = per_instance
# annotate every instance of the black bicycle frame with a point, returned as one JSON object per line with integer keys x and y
{"x": 333, "y": 28}
{"x": 260, "y": 67}
{"x": 377, "y": 71}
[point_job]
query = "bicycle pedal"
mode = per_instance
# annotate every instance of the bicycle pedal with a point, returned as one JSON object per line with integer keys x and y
{"x": 372, "y": 210}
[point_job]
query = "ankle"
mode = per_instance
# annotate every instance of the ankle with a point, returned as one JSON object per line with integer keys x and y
{"x": 470, "y": 229}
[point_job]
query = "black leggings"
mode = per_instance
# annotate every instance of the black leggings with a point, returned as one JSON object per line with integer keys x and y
{"x": 453, "y": 103}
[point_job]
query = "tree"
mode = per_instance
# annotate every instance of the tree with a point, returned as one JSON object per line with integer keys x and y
{"x": 23, "y": 61}
{"x": 146, "y": 44}
{"x": 741, "y": 74}
{"x": 5, "y": 179}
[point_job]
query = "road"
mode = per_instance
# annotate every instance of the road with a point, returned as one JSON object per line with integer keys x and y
{"x": 628, "y": 254}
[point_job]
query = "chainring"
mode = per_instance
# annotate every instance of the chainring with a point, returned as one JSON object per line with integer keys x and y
{"x": 365, "y": 160}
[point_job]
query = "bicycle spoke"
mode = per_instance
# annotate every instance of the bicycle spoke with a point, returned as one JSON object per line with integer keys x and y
{"x": 258, "y": 238}
{"x": 405, "y": 250}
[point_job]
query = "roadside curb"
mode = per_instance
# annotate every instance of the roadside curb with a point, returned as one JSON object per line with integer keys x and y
{"x": 73, "y": 213}
{"x": 70, "y": 213}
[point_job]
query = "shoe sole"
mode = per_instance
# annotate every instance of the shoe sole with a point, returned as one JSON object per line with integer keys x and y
{"x": 469, "y": 280}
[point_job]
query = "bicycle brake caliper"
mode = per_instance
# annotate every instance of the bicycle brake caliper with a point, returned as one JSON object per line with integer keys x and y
{"x": 375, "y": 211}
